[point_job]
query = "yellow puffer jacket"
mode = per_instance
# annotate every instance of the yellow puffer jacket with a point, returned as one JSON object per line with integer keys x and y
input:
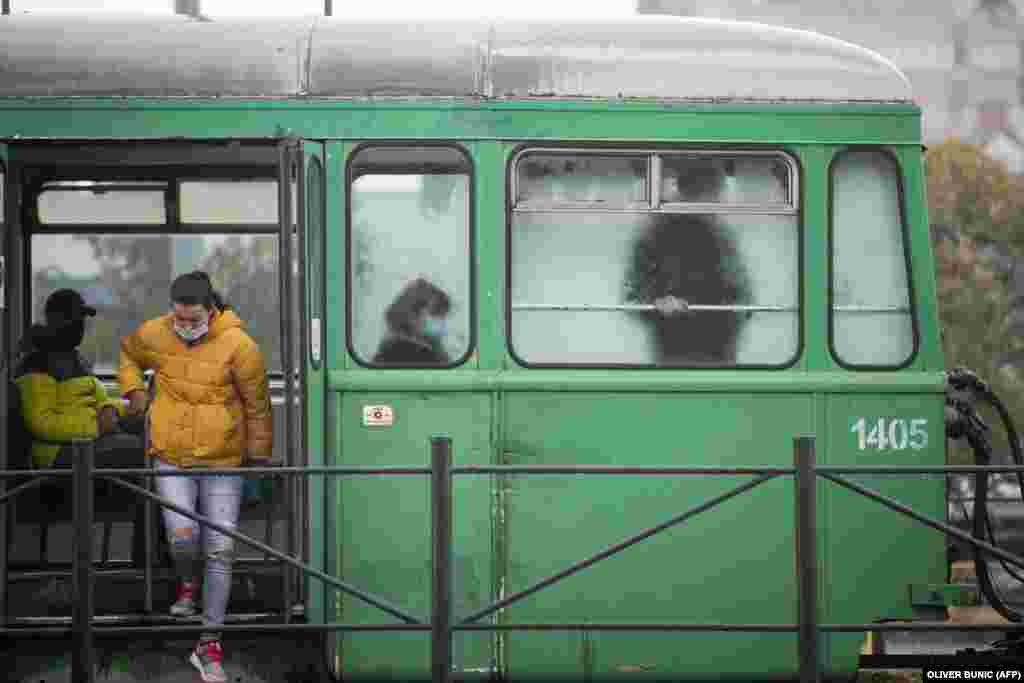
{"x": 57, "y": 411}
{"x": 212, "y": 403}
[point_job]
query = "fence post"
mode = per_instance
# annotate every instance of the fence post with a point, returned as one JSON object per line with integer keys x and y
{"x": 82, "y": 655}
{"x": 147, "y": 552}
{"x": 806, "y": 558}
{"x": 441, "y": 537}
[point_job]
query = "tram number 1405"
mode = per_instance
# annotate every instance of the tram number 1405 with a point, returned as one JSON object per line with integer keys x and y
{"x": 890, "y": 433}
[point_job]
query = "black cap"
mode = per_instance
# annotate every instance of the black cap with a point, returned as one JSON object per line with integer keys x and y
{"x": 67, "y": 305}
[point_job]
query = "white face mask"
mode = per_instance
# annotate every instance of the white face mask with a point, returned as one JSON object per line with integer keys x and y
{"x": 193, "y": 334}
{"x": 435, "y": 327}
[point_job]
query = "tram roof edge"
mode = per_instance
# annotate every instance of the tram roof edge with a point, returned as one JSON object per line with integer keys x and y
{"x": 636, "y": 57}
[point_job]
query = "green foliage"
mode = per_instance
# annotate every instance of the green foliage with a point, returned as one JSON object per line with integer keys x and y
{"x": 971, "y": 190}
{"x": 137, "y": 272}
{"x": 244, "y": 270}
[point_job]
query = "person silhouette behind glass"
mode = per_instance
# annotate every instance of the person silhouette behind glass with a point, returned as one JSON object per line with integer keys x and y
{"x": 684, "y": 259}
{"x": 417, "y": 323}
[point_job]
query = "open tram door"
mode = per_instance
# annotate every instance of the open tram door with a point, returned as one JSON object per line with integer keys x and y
{"x": 5, "y": 347}
{"x": 251, "y": 206}
{"x": 302, "y": 197}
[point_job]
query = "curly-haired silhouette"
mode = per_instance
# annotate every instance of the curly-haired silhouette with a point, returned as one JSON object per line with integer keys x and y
{"x": 415, "y": 322}
{"x": 688, "y": 257}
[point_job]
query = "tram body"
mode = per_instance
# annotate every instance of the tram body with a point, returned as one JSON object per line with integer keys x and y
{"x": 666, "y": 242}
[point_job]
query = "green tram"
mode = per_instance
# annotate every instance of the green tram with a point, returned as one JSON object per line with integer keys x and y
{"x": 665, "y": 242}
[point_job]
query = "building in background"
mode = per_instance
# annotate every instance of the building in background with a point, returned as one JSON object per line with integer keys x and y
{"x": 963, "y": 57}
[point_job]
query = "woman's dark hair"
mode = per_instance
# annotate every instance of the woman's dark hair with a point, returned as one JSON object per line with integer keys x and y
{"x": 196, "y": 288}
{"x": 418, "y": 296}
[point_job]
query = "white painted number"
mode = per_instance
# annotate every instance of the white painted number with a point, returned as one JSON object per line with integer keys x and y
{"x": 918, "y": 434}
{"x": 898, "y": 434}
{"x": 890, "y": 433}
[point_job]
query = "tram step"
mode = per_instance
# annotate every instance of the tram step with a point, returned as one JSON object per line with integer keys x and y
{"x": 254, "y": 590}
{"x": 250, "y": 658}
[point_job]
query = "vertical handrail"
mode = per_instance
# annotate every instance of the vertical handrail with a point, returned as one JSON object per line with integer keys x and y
{"x": 147, "y": 532}
{"x": 82, "y": 654}
{"x": 441, "y": 533}
{"x": 300, "y": 485}
{"x": 285, "y": 270}
{"x": 4, "y": 459}
{"x": 806, "y": 558}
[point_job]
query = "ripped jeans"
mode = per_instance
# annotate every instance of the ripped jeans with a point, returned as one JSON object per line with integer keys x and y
{"x": 218, "y": 497}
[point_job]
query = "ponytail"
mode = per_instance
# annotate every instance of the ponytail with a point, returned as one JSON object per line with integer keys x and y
{"x": 196, "y": 288}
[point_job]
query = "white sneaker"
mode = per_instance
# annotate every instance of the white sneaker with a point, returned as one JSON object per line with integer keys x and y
{"x": 185, "y": 605}
{"x": 207, "y": 658}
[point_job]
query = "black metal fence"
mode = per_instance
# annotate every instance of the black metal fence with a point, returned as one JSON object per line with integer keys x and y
{"x": 84, "y": 629}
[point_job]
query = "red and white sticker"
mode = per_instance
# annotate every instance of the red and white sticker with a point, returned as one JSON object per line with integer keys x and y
{"x": 378, "y": 416}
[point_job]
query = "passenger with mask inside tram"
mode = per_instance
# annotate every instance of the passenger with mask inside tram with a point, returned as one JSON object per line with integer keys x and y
{"x": 211, "y": 408}
{"x": 60, "y": 398}
{"x": 417, "y": 323}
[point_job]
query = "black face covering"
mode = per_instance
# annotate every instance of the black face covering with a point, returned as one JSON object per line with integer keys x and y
{"x": 55, "y": 350}
{"x": 66, "y": 337}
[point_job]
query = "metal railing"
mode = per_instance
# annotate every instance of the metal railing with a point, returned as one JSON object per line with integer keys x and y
{"x": 85, "y": 628}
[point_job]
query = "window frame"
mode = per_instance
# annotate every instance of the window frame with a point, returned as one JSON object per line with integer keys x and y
{"x": 208, "y": 224}
{"x": 795, "y": 208}
{"x": 315, "y": 252}
{"x": 886, "y": 152}
{"x": 173, "y": 173}
{"x": 6, "y": 344}
{"x": 413, "y": 169}
{"x": 654, "y": 177}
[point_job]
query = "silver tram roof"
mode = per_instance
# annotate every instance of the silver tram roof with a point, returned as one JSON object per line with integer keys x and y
{"x": 645, "y": 57}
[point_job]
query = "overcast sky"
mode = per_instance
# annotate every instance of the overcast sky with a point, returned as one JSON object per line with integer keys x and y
{"x": 390, "y": 9}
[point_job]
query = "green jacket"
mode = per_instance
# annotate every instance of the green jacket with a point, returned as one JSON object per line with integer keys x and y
{"x": 56, "y": 411}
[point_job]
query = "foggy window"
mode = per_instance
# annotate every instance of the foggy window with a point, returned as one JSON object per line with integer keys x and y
{"x": 661, "y": 283}
{"x": 84, "y": 202}
{"x": 237, "y": 202}
{"x": 871, "y": 316}
{"x": 725, "y": 180}
{"x": 410, "y": 257}
{"x": 127, "y": 278}
{"x": 590, "y": 179}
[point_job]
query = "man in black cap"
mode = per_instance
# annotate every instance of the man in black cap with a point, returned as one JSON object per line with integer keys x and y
{"x": 66, "y": 306}
{"x": 60, "y": 398}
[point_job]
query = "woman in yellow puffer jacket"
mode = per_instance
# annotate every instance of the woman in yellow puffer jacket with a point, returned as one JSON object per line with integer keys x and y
{"x": 211, "y": 409}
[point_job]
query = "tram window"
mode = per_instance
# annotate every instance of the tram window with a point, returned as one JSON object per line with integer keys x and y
{"x": 871, "y": 314}
{"x": 729, "y": 180}
{"x": 669, "y": 284}
{"x": 128, "y": 277}
{"x": 237, "y": 202}
{"x": 409, "y": 240}
{"x": 619, "y": 180}
{"x": 87, "y": 202}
